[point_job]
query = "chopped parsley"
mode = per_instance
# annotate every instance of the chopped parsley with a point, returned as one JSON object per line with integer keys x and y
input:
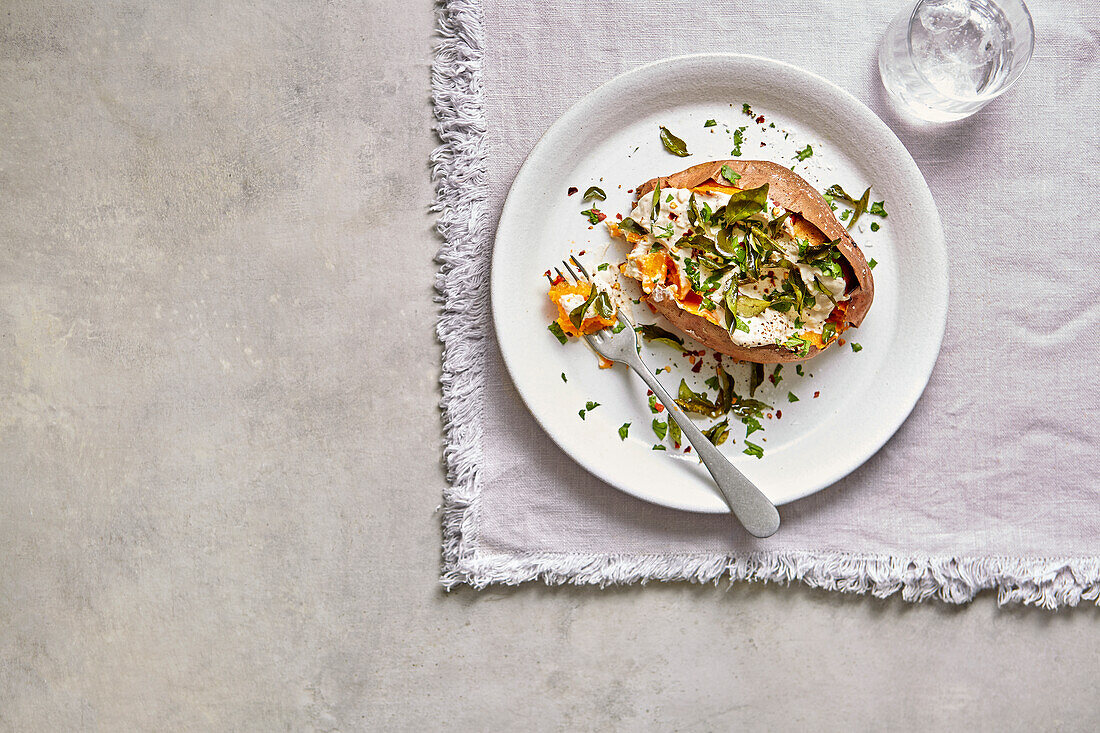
{"x": 872, "y": 263}
{"x": 591, "y": 405}
{"x": 752, "y": 449}
{"x": 660, "y": 429}
{"x": 709, "y": 123}
{"x": 798, "y": 370}
{"x": 776, "y": 377}
{"x": 746, "y": 109}
{"x": 729, "y": 174}
{"x": 624, "y": 430}
{"x": 653, "y": 404}
{"x": 619, "y": 326}
{"x": 555, "y": 328}
{"x": 804, "y": 153}
{"x": 845, "y": 214}
{"x": 563, "y": 378}
{"x": 581, "y": 413}
{"x": 856, "y": 347}
{"x": 878, "y": 208}
{"x": 874, "y": 226}
{"x": 659, "y": 447}
{"x": 738, "y": 139}
{"x": 602, "y": 266}
{"x": 792, "y": 397}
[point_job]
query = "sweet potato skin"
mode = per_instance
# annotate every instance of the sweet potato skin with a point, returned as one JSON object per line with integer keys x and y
{"x": 794, "y": 193}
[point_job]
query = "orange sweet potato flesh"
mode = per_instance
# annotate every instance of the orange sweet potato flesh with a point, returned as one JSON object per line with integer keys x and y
{"x": 795, "y": 194}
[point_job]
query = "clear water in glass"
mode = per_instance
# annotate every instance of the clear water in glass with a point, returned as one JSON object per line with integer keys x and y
{"x": 944, "y": 60}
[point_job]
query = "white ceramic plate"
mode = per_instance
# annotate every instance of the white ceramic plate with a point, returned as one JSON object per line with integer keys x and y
{"x": 610, "y": 138}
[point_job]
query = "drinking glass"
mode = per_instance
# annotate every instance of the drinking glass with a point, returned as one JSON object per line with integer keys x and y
{"x": 944, "y": 60}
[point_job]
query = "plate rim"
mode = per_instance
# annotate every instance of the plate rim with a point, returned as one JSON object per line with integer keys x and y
{"x": 937, "y": 248}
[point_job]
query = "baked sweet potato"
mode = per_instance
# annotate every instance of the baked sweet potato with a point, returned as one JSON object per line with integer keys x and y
{"x": 779, "y": 297}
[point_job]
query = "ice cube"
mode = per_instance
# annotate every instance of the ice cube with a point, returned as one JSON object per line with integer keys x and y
{"x": 939, "y": 16}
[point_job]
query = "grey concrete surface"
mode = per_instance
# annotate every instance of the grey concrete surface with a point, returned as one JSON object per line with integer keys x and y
{"x": 220, "y": 445}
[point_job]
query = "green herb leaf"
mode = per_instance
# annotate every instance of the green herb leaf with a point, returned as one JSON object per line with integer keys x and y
{"x": 776, "y": 376}
{"x": 835, "y": 191}
{"x": 856, "y": 347}
{"x": 730, "y": 175}
{"x": 653, "y": 332}
{"x": 603, "y": 306}
{"x": 555, "y": 328}
{"x": 656, "y": 204}
{"x": 653, "y": 404}
{"x": 791, "y": 397}
{"x": 624, "y": 430}
{"x": 845, "y": 214}
{"x": 581, "y": 413}
{"x": 756, "y": 378}
{"x": 804, "y": 153}
{"x": 718, "y": 432}
{"x": 563, "y": 378}
{"x": 746, "y": 109}
{"x": 878, "y": 209}
{"x": 709, "y": 123}
{"x": 828, "y": 332}
{"x": 874, "y": 226}
{"x": 602, "y": 266}
{"x": 619, "y": 326}
{"x": 674, "y": 431}
{"x": 591, "y": 405}
{"x": 745, "y": 203}
{"x": 576, "y": 316}
{"x": 630, "y": 226}
{"x": 673, "y": 144}
{"x": 798, "y": 370}
{"x": 872, "y": 263}
{"x": 751, "y": 425}
{"x": 659, "y": 428}
{"x": 738, "y": 139}
{"x": 659, "y": 447}
{"x": 861, "y": 207}
{"x": 691, "y": 401}
{"x": 749, "y": 307}
{"x": 753, "y": 449}
{"x": 594, "y": 192}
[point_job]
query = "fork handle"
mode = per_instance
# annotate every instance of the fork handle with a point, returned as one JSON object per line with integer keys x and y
{"x": 754, "y": 510}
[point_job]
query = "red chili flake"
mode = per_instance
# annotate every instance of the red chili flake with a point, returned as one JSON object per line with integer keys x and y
{"x": 581, "y": 253}
{"x": 771, "y": 378}
{"x": 763, "y": 144}
{"x": 572, "y": 190}
{"x": 816, "y": 394}
{"x": 600, "y": 215}
{"x": 648, "y": 392}
{"x": 672, "y": 215}
{"x": 717, "y": 357}
{"x": 760, "y": 119}
{"x": 688, "y": 449}
{"x": 660, "y": 407}
{"x": 630, "y": 190}
{"x": 769, "y": 416}
{"x": 546, "y": 274}
{"x": 778, "y": 414}
{"x": 698, "y": 366}
{"x": 619, "y": 217}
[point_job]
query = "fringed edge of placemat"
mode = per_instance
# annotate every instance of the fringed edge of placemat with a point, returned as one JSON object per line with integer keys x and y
{"x": 459, "y": 174}
{"x": 1047, "y": 583}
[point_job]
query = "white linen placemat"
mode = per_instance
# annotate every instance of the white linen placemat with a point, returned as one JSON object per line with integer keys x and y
{"x": 992, "y": 481}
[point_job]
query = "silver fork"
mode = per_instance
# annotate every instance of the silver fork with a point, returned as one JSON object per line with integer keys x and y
{"x": 754, "y": 510}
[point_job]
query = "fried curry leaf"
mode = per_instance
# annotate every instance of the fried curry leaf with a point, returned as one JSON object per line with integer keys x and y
{"x": 673, "y": 144}
{"x": 756, "y": 378}
{"x": 656, "y": 203}
{"x": 690, "y": 401}
{"x": 837, "y": 192}
{"x": 653, "y": 332}
{"x": 576, "y": 316}
{"x": 595, "y": 192}
{"x": 749, "y": 307}
{"x": 861, "y": 207}
{"x": 718, "y": 432}
{"x": 629, "y": 226}
{"x": 674, "y": 431}
{"x": 745, "y": 203}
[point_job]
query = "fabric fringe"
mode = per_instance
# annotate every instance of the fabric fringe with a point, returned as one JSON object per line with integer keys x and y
{"x": 460, "y": 178}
